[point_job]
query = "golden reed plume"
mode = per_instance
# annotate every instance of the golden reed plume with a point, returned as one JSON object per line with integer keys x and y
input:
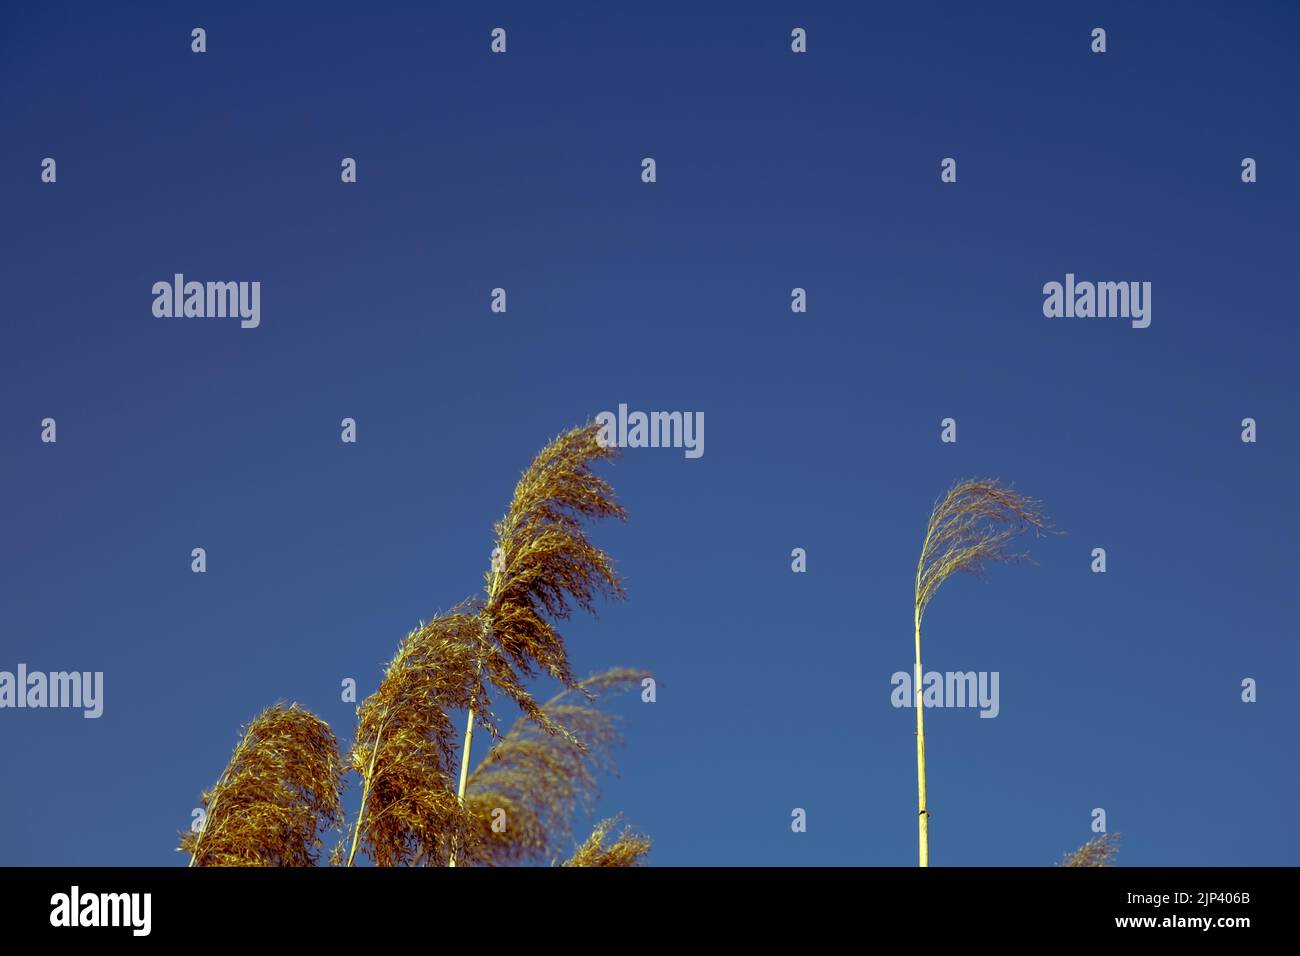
{"x": 281, "y": 788}
{"x": 627, "y": 850}
{"x": 547, "y": 565}
{"x": 538, "y": 780}
{"x": 1099, "y": 851}
{"x": 404, "y": 749}
{"x": 543, "y": 565}
{"x": 969, "y": 528}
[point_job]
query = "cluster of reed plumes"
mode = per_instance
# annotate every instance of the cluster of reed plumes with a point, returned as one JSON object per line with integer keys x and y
{"x": 281, "y": 792}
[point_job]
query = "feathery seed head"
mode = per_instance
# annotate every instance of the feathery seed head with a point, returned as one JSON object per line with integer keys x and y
{"x": 281, "y": 788}
{"x": 627, "y": 850}
{"x": 405, "y": 746}
{"x": 970, "y": 528}
{"x": 548, "y": 565}
{"x": 540, "y": 779}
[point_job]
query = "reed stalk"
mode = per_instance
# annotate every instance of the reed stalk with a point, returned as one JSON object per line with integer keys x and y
{"x": 969, "y": 529}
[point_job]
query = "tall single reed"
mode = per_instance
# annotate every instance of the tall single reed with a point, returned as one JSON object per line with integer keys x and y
{"x": 969, "y": 529}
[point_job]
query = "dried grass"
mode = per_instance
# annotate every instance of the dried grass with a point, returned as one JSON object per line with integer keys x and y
{"x": 540, "y": 779}
{"x": 283, "y": 783}
{"x": 1099, "y": 851}
{"x": 405, "y": 745}
{"x": 970, "y": 528}
{"x": 548, "y": 566}
{"x": 627, "y": 850}
{"x": 281, "y": 789}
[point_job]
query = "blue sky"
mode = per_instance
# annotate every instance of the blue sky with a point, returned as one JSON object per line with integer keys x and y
{"x": 775, "y": 170}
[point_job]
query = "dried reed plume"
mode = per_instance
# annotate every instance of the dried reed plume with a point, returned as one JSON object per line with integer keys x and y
{"x": 627, "y": 850}
{"x": 541, "y": 779}
{"x": 542, "y": 567}
{"x": 404, "y": 750}
{"x": 280, "y": 789}
{"x": 1099, "y": 851}
{"x": 548, "y": 565}
{"x": 969, "y": 529}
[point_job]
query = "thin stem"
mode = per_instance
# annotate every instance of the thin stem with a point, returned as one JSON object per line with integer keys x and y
{"x": 923, "y": 815}
{"x": 469, "y": 728}
{"x": 365, "y": 789}
{"x": 464, "y": 769}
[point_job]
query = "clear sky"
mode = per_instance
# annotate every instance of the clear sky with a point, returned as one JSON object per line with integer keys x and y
{"x": 775, "y": 170}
